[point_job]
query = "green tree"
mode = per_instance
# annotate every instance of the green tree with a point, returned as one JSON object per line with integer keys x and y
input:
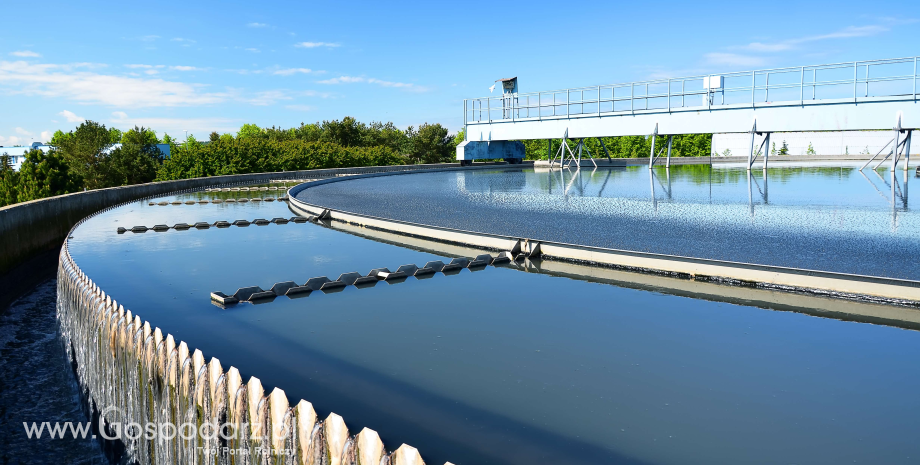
{"x": 85, "y": 150}
{"x": 430, "y": 144}
{"x": 249, "y": 131}
{"x": 136, "y": 161}
{"x": 784, "y": 149}
{"x": 811, "y": 150}
{"x": 9, "y": 182}
{"x": 45, "y": 175}
{"x": 214, "y": 137}
{"x": 347, "y": 133}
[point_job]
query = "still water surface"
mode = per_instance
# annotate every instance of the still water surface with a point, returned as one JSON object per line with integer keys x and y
{"x": 813, "y": 217}
{"x": 504, "y": 367}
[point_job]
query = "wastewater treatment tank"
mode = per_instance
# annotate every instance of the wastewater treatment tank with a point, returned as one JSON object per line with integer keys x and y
{"x": 363, "y": 339}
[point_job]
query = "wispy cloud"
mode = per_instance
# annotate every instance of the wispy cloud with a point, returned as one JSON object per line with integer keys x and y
{"x": 72, "y": 82}
{"x": 22, "y": 132}
{"x": 317, "y": 44}
{"x": 300, "y": 107}
{"x": 290, "y": 71}
{"x": 71, "y": 117}
{"x": 185, "y": 68}
{"x": 352, "y": 79}
{"x": 789, "y": 44}
{"x": 257, "y": 25}
{"x": 268, "y": 97}
{"x": 252, "y": 49}
{"x": 25, "y": 54}
{"x": 183, "y": 41}
{"x": 148, "y": 38}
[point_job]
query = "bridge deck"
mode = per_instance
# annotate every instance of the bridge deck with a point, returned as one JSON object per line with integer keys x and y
{"x": 843, "y": 96}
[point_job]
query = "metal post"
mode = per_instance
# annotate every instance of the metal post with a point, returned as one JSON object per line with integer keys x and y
{"x": 814, "y": 84}
{"x": 753, "y": 85}
{"x": 751, "y": 151}
{"x": 668, "y": 165}
{"x": 855, "y": 72}
{"x": 549, "y": 151}
{"x": 488, "y": 108}
{"x": 651, "y": 156}
{"x": 632, "y": 97}
{"x": 915, "y": 78}
{"x": 802, "y": 88}
{"x": 766, "y": 90}
{"x": 766, "y": 154}
{"x": 907, "y": 156}
{"x": 566, "y": 103}
{"x": 669, "y": 95}
{"x": 646, "y": 96}
{"x": 867, "y": 80}
{"x": 682, "y": 92}
{"x": 894, "y": 157}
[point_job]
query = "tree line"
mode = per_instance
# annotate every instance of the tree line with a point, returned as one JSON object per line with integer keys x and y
{"x": 86, "y": 157}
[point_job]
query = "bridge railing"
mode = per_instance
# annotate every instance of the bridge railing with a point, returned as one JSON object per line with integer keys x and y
{"x": 887, "y": 79}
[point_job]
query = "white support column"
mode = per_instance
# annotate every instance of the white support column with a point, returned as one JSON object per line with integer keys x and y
{"x": 910, "y": 133}
{"x": 750, "y": 160}
{"x": 651, "y": 155}
{"x": 766, "y": 152}
{"x": 668, "y": 164}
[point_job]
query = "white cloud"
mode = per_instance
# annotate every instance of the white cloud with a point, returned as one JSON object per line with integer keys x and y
{"x": 252, "y": 49}
{"x": 25, "y": 54}
{"x": 149, "y": 38}
{"x": 268, "y": 97}
{"x": 789, "y": 44}
{"x": 257, "y": 25}
{"x": 290, "y": 71}
{"x": 184, "y": 68}
{"x": 45, "y": 136}
{"x": 183, "y": 41}
{"x": 71, "y": 117}
{"x": 379, "y": 82}
{"x": 733, "y": 59}
{"x": 72, "y": 83}
{"x": 10, "y": 141}
{"x": 139, "y": 66}
{"x": 299, "y": 107}
{"x": 317, "y": 44}
{"x": 23, "y": 132}
{"x": 200, "y": 126}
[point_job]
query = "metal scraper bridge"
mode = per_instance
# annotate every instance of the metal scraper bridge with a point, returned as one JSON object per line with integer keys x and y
{"x": 860, "y": 95}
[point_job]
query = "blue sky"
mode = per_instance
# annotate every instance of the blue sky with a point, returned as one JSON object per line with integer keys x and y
{"x": 200, "y": 66}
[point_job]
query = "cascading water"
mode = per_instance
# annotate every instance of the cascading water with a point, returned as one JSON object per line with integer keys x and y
{"x": 169, "y": 406}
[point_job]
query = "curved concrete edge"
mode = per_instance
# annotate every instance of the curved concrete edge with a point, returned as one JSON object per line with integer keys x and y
{"x": 133, "y": 372}
{"x": 30, "y": 227}
{"x": 766, "y": 298}
{"x": 887, "y": 290}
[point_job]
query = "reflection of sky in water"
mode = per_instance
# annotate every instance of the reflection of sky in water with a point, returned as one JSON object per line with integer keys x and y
{"x": 815, "y": 217}
{"x": 501, "y": 366}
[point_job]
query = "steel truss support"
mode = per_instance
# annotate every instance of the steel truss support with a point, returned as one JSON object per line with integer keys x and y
{"x": 653, "y": 156}
{"x": 763, "y": 148}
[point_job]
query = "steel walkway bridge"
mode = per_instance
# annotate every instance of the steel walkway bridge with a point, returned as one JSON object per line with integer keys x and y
{"x": 862, "y": 95}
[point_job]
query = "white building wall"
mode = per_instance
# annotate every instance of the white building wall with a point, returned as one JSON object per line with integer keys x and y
{"x": 824, "y": 143}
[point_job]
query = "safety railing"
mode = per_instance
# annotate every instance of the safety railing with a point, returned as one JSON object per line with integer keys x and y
{"x": 858, "y": 80}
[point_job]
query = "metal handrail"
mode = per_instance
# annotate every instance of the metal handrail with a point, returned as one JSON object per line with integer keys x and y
{"x": 513, "y": 105}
